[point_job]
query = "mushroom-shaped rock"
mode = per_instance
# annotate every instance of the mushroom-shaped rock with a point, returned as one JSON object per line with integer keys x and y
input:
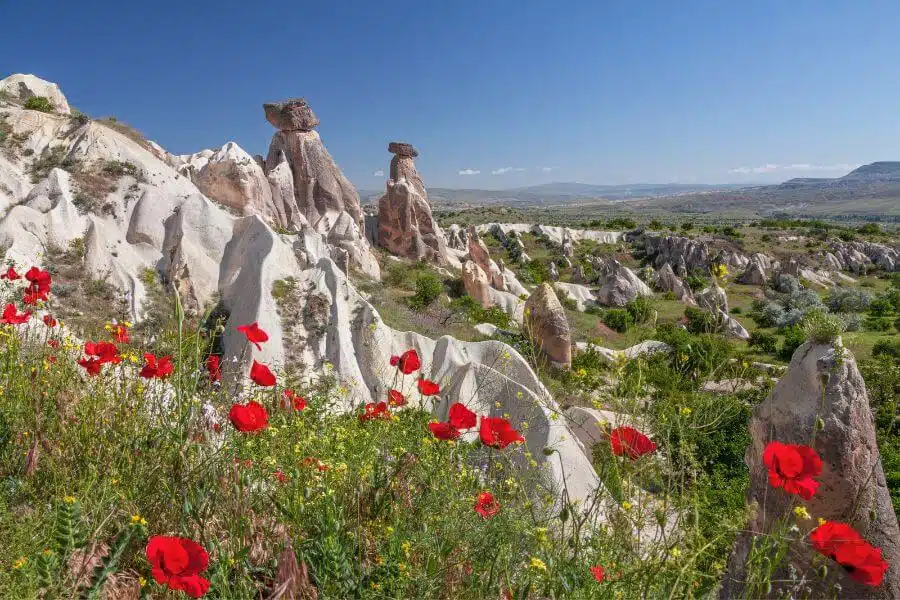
{"x": 22, "y": 87}
{"x": 406, "y": 226}
{"x": 291, "y": 115}
{"x": 547, "y": 326}
{"x": 820, "y": 402}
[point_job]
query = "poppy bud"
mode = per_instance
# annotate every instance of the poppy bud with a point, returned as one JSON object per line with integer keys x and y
{"x": 548, "y": 451}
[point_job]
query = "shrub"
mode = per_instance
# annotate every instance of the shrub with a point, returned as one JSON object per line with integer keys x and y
{"x": 640, "y": 309}
{"x": 694, "y": 356}
{"x": 687, "y": 226}
{"x": 118, "y": 168}
{"x": 886, "y": 348}
{"x": 766, "y": 314}
{"x": 701, "y": 321}
{"x": 805, "y": 301}
{"x": 655, "y": 225}
{"x": 869, "y": 229}
{"x": 621, "y": 223}
{"x": 794, "y": 336}
{"x": 618, "y": 319}
{"x": 821, "y": 328}
{"x": 850, "y": 321}
{"x": 848, "y": 300}
{"x": 52, "y": 158}
{"x": 763, "y": 341}
{"x": 880, "y": 306}
{"x": 696, "y": 281}
{"x": 39, "y": 103}
{"x": 787, "y": 284}
{"x": 730, "y": 231}
{"x": 428, "y": 289}
{"x": 877, "y": 324}
{"x": 568, "y": 303}
{"x": 736, "y": 310}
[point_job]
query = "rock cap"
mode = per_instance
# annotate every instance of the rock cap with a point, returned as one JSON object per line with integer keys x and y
{"x": 402, "y": 149}
{"x": 293, "y": 114}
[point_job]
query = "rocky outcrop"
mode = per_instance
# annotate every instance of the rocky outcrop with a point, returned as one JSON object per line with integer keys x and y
{"x": 547, "y": 326}
{"x": 476, "y": 283}
{"x": 647, "y": 347}
{"x": 821, "y": 402}
{"x": 553, "y": 273}
{"x": 405, "y": 225}
{"x": 757, "y": 271}
{"x": 22, "y": 87}
{"x": 859, "y": 257}
{"x": 618, "y": 284}
{"x": 713, "y": 298}
{"x": 684, "y": 254}
{"x": 456, "y": 237}
{"x": 666, "y": 280}
{"x": 581, "y": 295}
{"x": 322, "y": 194}
{"x": 555, "y": 234}
{"x": 732, "y": 327}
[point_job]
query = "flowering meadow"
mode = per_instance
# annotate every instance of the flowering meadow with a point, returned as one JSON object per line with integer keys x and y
{"x": 139, "y": 467}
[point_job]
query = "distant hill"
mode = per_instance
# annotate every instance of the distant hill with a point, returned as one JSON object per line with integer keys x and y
{"x": 870, "y": 191}
{"x": 550, "y": 194}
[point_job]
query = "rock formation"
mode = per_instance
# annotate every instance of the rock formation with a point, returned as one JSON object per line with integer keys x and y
{"x": 618, "y": 284}
{"x": 405, "y": 225}
{"x": 684, "y": 254}
{"x": 666, "y": 280}
{"x": 581, "y": 295}
{"x": 321, "y": 192}
{"x": 822, "y": 385}
{"x": 713, "y": 298}
{"x": 555, "y": 235}
{"x": 231, "y": 177}
{"x": 756, "y": 272}
{"x": 476, "y": 284}
{"x": 859, "y": 257}
{"x": 456, "y": 237}
{"x": 22, "y": 87}
{"x": 546, "y": 325}
{"x": 554, "y": 272}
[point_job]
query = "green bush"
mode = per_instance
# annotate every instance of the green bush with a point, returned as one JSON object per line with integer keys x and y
{"x": 696, "y": 281}
{"x": 39, "y": 103}
{"x": 655, "y": 225}
{"x": 640, "y": 309}
{"x": 794, "y": 337}
{"x": 869, "y": 229}
{"x": 821, "y": 328}
{"x": 701, "y": 321}
{"x": 887, "y": 348}
{"x": 693, "y": 356}
{"x": 763, "y": 341}
{"x": 877, "y": 324}
{"x": 621, "y": 223}
{"x": 618, "y": 319}
{"x": 687, "y": 225}
{"x": 428, "y": 289}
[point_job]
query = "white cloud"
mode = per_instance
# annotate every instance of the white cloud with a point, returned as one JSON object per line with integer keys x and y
{"x": 379, "y": 173}
{"x": 503, "y": 170}
{"x": 770, "y": 168}
{"x": 469, "y": 172}
{"x": 547, "y": 169}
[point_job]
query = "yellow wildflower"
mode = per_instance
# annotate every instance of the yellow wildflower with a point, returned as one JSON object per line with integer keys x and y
{"x": 69, "y": 499}
{"x": 686, "y": 410}
{"x": 821, "y": 521}
{"x": 626, "y": 505}
{"x": 20, "y": 563}
{"x": 537, "y": 564}
{"x": 801, "y": 513}
{"x": 142, "y": 582}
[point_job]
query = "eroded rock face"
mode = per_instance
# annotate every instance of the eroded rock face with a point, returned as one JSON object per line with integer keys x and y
{"x": 546, "y": 324}
{"x": 667, "y": 281}
{"x": 823, "y": 384}
{"x": 618, "y": 284}
{"x": 858, "y": 257}
{"x": 754, "y": 275}
{"x": 23, "y": 87}
{"x": 476, "y": 284}
{"x": 684, "y": 254}
{"x": 406, "y": 226}
{"x": 713, "y": 298}
{"x": 233, "y": 178}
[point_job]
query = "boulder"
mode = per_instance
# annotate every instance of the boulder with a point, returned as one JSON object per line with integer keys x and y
{"x": 456, "y": 237}
{"x": 578, "y": 275}
{"x": 22, "y": 87}
{"x": 822, "y": 402}
{"x": 547, "y": 326}
{"x": 732, "y": 327}
{"x": 580, "y": 294}
{"x": 294, "y": 114}
{"x": 754, "y": 275}
{"x": 406, "y": 226}
{"x": 232, "y": 177}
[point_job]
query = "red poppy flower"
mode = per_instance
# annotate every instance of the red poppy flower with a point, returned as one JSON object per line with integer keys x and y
{"x": 409, "y": 362}
{"x": 486, "y": 506}
{"x": 157, "y": 367}
{"x": 496, "y": 432}
{"x": 793, "y": 468}
{"x": 597, "y": 572}
{"x": 39, "y": 284}
{"x": 49, "y": 321}
{"x": 254, "y": 334}
{"x": 261, "y": 375}
{"x": 428, "y": 387}
{"x": 10, "y": 274}
{"x": 177, "y": 563}
{"x": 630, "y": 442}
{"x": 461, "y": 417}
{"x": 395, "y": 398}
{"x": 121, "y": 334}
{"x": 105, "y": 352}
{"x": 443, "y": 431}
{"x": 375, "y": 410}
{"x": 280, "y": 476}
{"x": 297, "y": 401}
{"x": 12, "y": 317}
{"x": 213, "y": 367}
{"x": 309, "y": 461}
{"x": 91, "y": 365}
{"x": 53, "y": 343}
{"x": 395, "y": 360}
{"x": 843, "y": 544}
{"x": 248, "y": 417}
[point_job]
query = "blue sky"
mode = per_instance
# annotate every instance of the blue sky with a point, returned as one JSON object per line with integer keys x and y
{"x": 592, "y": 91}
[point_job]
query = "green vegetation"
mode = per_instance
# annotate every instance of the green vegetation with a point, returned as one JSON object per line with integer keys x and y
{"x": 39, "y": 103}
{"x": 428, "y": 289}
